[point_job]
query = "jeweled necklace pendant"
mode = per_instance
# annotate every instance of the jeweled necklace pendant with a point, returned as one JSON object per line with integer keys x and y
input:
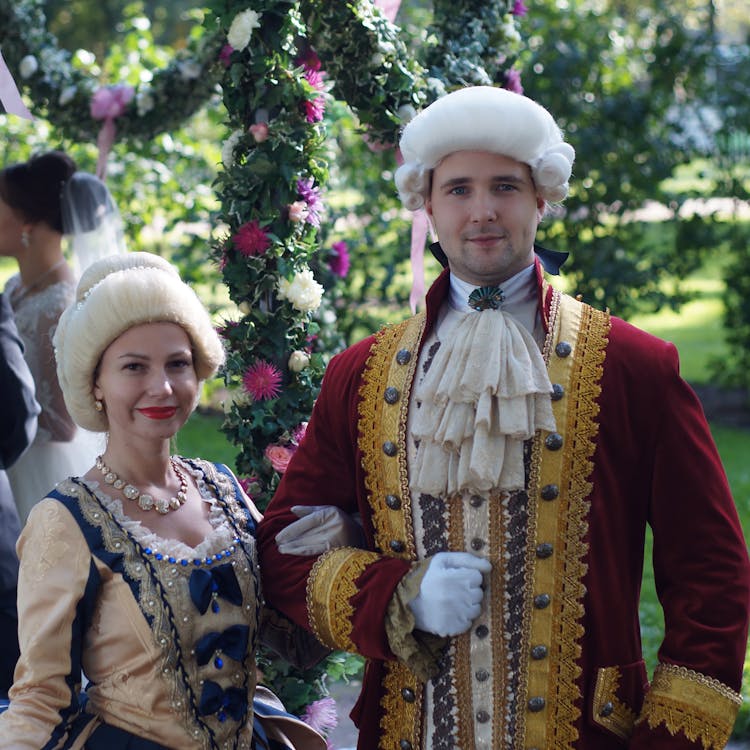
{"x": 486, "y": 298}
{"x": 144, "y": 500}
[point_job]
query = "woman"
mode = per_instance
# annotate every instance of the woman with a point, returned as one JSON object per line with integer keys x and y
{"x": 142, "y": 572}
{"x": 42, "y": 200}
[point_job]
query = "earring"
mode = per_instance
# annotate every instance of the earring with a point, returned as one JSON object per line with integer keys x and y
{"x": 98, "y": 405}
{"x": 25, "y": 238}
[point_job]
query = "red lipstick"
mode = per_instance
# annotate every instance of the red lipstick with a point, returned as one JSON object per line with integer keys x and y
{"x": 159, "y": 412}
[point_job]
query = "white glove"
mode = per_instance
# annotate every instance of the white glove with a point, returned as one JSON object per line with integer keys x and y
{"x": 450, "y": 595}
{"x": 320, "y": 528}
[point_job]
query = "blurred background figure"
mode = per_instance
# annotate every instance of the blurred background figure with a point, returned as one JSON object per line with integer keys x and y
{"x": 18, "y": 424}
{"x": 43, "y": 200}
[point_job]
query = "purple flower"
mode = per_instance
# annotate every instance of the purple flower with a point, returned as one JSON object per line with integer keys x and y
{"x": 311, "y": 196}
{"x": 519, "y": 9}
{"x": 321, "y": 715}
{"x": 513, "y": 81}
{"x": 339, "y": 261}
{"x": 225, "y": 56}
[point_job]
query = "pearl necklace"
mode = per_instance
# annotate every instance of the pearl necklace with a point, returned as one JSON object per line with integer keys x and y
{"x": 144, "y": 500}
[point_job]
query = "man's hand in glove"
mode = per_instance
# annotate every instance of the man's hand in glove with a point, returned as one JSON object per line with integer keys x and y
{"x": 320, "y": 528}
{"x": 450, "y": 595}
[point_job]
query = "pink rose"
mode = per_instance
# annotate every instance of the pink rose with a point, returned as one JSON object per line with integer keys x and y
{"x": 110, "y": 101}
{"x": 259, "y": 131}
{"x": 279, "y": 456}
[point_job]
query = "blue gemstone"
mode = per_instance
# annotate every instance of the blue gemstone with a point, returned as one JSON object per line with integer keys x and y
{"x": 159, "y": 556}
{"x": 183, "y": 562}
{"x": 222, "y": 716}
{"x": 209, "y": 560}
{"x": 214, "y": 606}
{"x": 148, "y": 550}
{"x": 218, "y": 662}
{"x": 172, "y": 560}
{"x": 218, "y": 555}
{"x": 197, "y": 561}
{"x": 214, "y": 585}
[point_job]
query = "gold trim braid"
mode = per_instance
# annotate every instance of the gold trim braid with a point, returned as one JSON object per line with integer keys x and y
{"x": 330, "y": 586}
{"x": 563, "y": 524}
{"x": 383, "y": 413}
{"x": 620, "y": 719}
{"x": 700, "y": 707}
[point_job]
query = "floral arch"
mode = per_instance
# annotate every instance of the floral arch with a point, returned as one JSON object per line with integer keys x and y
{"x": 277, "y": 62}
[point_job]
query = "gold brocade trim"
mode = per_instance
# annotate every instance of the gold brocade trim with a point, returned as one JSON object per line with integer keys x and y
{"x": 562, "y": 523}
{"x": 330, "y": 587}
{"x": 700, "y": 707}
{"x": 391, "y": 365}
{"x": 383, "y": 421}
{"x": 616, "y": 717}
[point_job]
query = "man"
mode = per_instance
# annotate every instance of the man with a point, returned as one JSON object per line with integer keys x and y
{"x": 505, "y": 451}
{"x": 17, "y": 430}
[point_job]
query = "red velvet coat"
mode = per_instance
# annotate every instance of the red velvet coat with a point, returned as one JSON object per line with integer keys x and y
{"x": 652, "y": 461}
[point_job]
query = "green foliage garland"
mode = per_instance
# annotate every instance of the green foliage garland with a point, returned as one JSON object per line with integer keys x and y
{"x": 62, "y": 89}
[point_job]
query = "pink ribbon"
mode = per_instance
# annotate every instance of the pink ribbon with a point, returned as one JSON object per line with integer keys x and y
{"x": 108, "y": 103}
{"x": 10, "y": 98}
{"x": 389, "y": 8}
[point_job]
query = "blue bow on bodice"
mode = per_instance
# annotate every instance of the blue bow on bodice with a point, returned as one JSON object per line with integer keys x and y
{"x": 214, "y": 700}
{"x": 207, "y": 583}
{"x": 232, "y": 642}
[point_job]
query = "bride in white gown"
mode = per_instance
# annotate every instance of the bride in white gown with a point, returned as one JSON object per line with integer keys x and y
{"x": 41, "y": 201}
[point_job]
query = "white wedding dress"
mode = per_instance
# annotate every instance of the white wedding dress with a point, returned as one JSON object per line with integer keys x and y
{"x": 61, "y": 449}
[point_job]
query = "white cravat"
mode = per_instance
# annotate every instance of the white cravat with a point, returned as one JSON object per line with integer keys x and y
{"x": 486, "y": 391}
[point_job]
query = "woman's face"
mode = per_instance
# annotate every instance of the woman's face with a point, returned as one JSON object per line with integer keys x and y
{"x": 147, "y": 382}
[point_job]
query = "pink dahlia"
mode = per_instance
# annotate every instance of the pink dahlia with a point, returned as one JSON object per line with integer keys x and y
{"x": 519, "y": 9}
{"x": 339, "y": 261}
{"x": 321, "y": 715}
{"x": 262, "y": 381}
{"x": 314, "y": 109}
{"x": 251, "y": 240}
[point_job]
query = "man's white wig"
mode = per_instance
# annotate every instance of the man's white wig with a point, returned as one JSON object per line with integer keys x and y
{"x": 114, "y": 294}
{"x": 484, "y": 118}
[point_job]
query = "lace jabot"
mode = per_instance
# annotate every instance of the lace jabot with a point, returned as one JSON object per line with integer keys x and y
{"x": 483, "y": 394}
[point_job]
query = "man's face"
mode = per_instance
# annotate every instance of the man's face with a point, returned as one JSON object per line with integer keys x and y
{"x": 485, "y": 210}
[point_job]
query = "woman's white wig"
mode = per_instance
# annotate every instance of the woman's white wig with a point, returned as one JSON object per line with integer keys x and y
{"x": 484, "y": 118}
{"x": 114, "y": 294}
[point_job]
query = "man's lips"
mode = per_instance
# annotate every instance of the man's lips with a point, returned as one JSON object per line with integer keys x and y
{"x": 158, "y": 412}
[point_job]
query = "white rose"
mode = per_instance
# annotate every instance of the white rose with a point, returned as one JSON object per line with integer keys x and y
{"x": 67, "y": 95}
{"x": 227, "y": 149}
{"x": 189, "y": 70}
{"x": 242, "y": 28}
{"x": 302, "y": 291}
{"x": 298, "y": 360}
{"x": 144, "y": 102}
{"x": 28, "y": 66}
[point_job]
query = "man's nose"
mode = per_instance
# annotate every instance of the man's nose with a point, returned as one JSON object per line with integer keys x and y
{"x": 483, "y": 208}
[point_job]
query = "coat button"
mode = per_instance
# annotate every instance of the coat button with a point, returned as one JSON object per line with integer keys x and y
{"x": 397, "y": 546}
{"x": 557, "y": 391}
{"x": 404, "y": 745}
{"x": 541, "y": 601}
{"x": 393, "y": 502}
{"x": 563, "y": 349}
{"x": 482, "y": 631}
{"x": 544, "y": 550}
{"x": 482, "y": 717}
{"x": 607, "y": 709}
{"x": 404, "y": 355}
{"x": 554, "y": 441}
{"x": 477, "y": 544}
{"x": 476, "y": 501}
{"x": 482, "y": 675}
{"x": 408, "y": 695}
{"x": 390, "y": 448}
{"x": 391, "y": 395}
{"x": 550, "y": 492}
{"x": 536, "y": 704}
{"x": 539, "y": 652}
